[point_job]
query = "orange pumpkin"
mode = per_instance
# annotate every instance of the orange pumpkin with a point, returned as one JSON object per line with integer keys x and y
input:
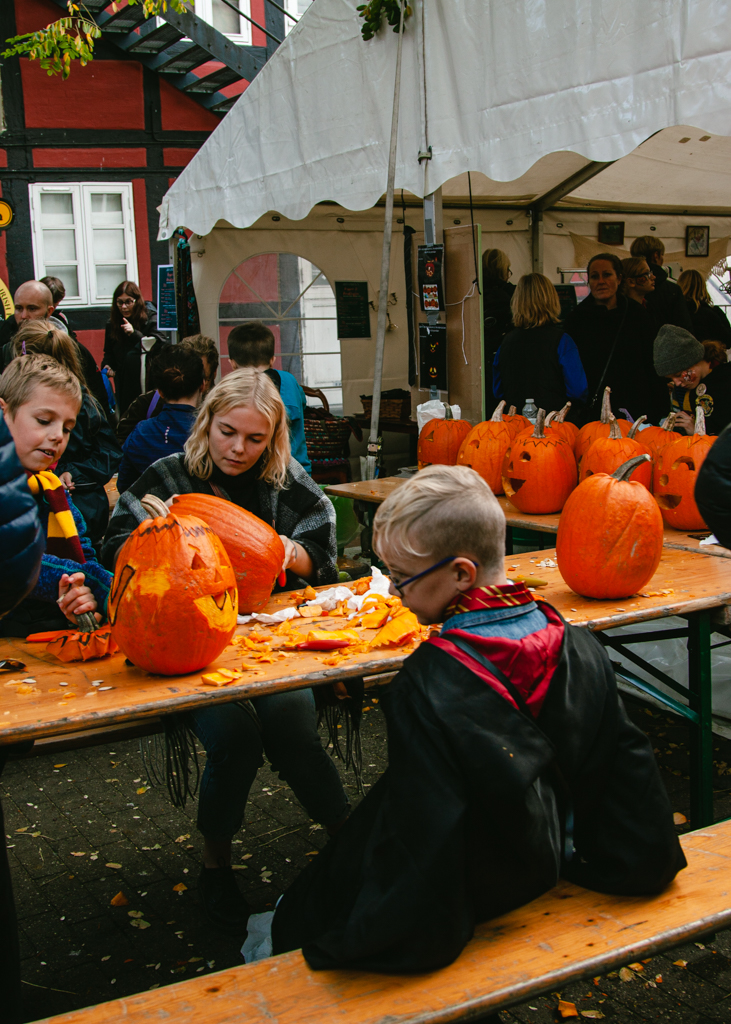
{"x": 609, "y": 453}
{"x": 173, "y": 603}
{"x": 557, "y": 422}
{"x": 656, "y": 438}
{"x": 539, "y": 471}
{"x": 76, "y": 645}
{"x": 484, "y": 449}
{"x": 590, "y": 432}
{"x": 439, "y": 440}
{"x": 610, "y": 534}
{"x": 679, "y": 465}
{"x": 401, "y": 628}
{"x": 516, "y": 421}
{"x": 255, "y": 549}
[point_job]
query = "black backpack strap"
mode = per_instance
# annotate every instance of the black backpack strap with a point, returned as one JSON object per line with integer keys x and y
{"x": 275, "y": 377}
{"x": 558, "y": 778}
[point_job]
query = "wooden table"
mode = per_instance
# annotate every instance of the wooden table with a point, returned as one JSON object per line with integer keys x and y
{"x": 370, "y": 493}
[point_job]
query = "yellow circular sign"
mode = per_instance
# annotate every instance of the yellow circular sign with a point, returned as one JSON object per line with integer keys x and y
{"x": 6, "y": 213}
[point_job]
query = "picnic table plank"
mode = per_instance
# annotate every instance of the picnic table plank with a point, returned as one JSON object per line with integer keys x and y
{"x": 563, "y": 936}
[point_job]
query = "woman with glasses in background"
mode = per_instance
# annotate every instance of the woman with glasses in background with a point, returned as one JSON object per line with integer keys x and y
{"x": 638, "y": 279}
{"x": 131, "y": 321}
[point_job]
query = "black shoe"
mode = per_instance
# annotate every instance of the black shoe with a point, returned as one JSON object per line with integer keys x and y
{"x": 222, "y": 900}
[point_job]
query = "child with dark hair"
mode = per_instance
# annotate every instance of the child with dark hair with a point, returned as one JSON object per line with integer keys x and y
{"x": 180, "y": 381}
{"x": 40, "y": 400}
{"x": 252, "y": 344}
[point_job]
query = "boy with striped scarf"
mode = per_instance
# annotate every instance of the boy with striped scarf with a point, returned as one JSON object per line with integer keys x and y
{"x": 40, "y": 400}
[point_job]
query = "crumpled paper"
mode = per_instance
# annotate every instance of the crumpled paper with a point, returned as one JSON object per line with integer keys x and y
{"x": 434, "y": 410}
{"x": 258, "y": 944}
{"x": 713, "y": 539}
{"x": 328, "y": 600}
{"x": 269, "y": 620}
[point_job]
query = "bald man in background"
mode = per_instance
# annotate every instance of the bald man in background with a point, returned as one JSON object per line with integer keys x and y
{"x": 33, "y": 301}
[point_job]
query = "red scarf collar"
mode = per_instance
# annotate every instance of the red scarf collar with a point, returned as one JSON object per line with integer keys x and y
{"x": 509, "y": 596}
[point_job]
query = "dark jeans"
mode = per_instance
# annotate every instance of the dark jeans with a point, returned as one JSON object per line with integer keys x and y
{"x": 234, "y": 743}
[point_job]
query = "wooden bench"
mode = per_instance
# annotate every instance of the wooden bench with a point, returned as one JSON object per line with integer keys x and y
{"x": 564, "y": 936}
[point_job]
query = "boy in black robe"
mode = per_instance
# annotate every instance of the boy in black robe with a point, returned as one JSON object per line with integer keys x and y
{"x": 501, "y": 778}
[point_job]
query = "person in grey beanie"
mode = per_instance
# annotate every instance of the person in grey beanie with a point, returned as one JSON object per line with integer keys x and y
{"x": 699, "y": 375}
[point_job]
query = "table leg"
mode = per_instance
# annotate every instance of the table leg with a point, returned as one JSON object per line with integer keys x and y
{"x": 365, "y": 512}
{"x": 701, "y": 736}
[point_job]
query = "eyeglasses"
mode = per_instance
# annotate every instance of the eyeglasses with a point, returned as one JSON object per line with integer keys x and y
{"x": 642, "y": 277}
{"x": 413, "y": 579}
{"x": 125, "y": 302}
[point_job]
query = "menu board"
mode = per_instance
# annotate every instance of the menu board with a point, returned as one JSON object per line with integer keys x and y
{"x": 353, "y": 312}
{"x": 167, "y": 314}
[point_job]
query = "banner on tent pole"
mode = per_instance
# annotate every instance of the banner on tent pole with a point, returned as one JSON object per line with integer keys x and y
{"x": 167, "y": 315}
{"x": 433, "y": 356}
{"x": 431, "y": 278}
{"x": 351, "y": 307}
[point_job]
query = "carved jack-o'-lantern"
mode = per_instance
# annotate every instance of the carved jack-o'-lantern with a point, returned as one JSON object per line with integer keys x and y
{"x": 539, "y": 471}
{"x": 484, "y": 449}
{"x": 590, "y": 432}
{"x": 173, "y": 601}
{"x": 678, "y": 472}
{"x": 439, "y": 440}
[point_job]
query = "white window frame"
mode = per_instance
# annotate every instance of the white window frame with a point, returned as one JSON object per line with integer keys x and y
{"x": 81, "y": 193}
{"x": 204, "y": 10}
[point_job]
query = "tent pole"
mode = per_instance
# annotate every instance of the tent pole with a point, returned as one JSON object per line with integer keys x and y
{"x": 372, "y": 457}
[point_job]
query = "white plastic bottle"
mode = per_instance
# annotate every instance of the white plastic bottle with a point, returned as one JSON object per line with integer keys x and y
{"x": 530, "y": 410}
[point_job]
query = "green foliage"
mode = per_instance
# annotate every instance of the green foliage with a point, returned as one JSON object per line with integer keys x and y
{"x": 373, "y": 13}
{"x": 72, "y": 38}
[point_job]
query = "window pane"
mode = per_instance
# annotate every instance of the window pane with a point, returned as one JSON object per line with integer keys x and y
{"x": 106, "y": 208}
{"x": 109, "y": 245}
{"x": 69, "y": 276}
{"x": 224, "y": 19}
{"x": 107, "y": 279}
{"x": 59, "y": 245}
{"x": 57, "y": 208}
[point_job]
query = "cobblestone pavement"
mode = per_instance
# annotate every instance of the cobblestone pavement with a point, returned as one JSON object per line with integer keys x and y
{"x": 83, "y": 826}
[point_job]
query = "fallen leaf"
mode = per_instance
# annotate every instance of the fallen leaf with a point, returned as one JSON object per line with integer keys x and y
{"x": 61, "y": 765}
{"x": 593, "y": 1014}
{"x": 139, "y": 923}
{"x": 106, "y": 958}
{"x": 135, "y": 913}
{"x": 181, "y": 839}
{"x": 679, "y": 819}
{"x": 120, "y": 900}
{"x": 567, "y": 1009}
{"x": 626, "y": 974}
{"x": 180, "y": 887}
{"x": 112, "y": 865}
{"x": 195, "y": 959}
{"x": 23, "y": 829}
{"x": 79, "y": 853}
{"x": 141, "y": 790}
{"x": 680, "y": 963}
{"x": 637, "y": 967}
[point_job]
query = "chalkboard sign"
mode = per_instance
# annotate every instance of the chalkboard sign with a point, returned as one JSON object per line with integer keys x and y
{"x": 433, "y": 356}
{"x": 567, "y": 298}
{"x": 167, "y": 316}
{"x": 351, "y": 303}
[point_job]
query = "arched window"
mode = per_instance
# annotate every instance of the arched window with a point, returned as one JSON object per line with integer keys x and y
{"x": 294, "y": 299}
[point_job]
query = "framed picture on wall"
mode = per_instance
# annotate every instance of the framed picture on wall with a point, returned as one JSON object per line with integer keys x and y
{"x": 697, "y": 238}
{"x": 611, "y": 232}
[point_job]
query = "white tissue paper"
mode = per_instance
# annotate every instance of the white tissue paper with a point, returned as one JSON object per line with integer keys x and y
{"x": 329, "y": 599}
{"x": 258, "y": 944}
{"x": 434, "y": 410}
{"x": 713, "y": 539}
{"x": 269, "y": 620}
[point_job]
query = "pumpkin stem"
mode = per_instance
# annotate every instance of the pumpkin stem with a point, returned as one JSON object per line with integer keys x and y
{"x": 86, "y": 623}
{"x": 497, "y": 416}
{"x": 606, "y": 406}
{"x": 512, "y": 410}
{"x": 550, "y": 417}
{"x": 635, "y": 426}
{"x": 154, "y": 506}
{"x": 670, "y": 419}
{"x": 448, "y": 412}
{"x": 614, "y": 432}
{"x": 540, "y": 423}
{"x": 561, "y": 414}
{"x": 627, "y": 468}
{"x": 700, "y": 421}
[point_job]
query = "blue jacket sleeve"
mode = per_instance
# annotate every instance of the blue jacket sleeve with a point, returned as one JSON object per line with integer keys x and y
{"x": 21, "y": 536}
{"x": 497, "y": 382}
{"x": 294, "y": 401}
{"x": 98, "y": 579}
{"x": 574, "y": 377}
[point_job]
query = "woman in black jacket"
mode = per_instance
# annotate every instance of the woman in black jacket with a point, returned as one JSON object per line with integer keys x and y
{"x": 131, "y": 319}
{"x": 497, "y": 293}
{"x": 710, "y": 323}
{"x": 614, "y": 336}
{"x": 21, "y": 547}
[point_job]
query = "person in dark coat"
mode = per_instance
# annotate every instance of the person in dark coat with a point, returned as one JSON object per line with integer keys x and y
{"x": 700, "y": 376}
{"x": 130, "y": 321}
{"x": 666, "y": 302}
{"x": 511, "y": 760}
{"x": 538, "y": 359}
{"x": 713, "y": 489}
{"x": 21, "y": 548}
{"x": 92, "y": 454}
{"x": 710, "y": 322}
{"x": 178, "y": 374}
{"x": 497, "y": 293}
{"x": 614, "y": 337}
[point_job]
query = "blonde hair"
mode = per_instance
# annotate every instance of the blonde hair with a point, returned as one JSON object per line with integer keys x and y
{"x": 535, "y": 302}
{"x": 245, "y": 387}
{"x": 693, "y": 287}
{"x": 495, "y": 265}
{"x": 27, "y": 373}
{"x": 442, "y": 511}
{"x": 44, "y": 338}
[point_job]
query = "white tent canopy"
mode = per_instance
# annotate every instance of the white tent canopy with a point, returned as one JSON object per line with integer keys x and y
{"x": 527, "y": 95}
